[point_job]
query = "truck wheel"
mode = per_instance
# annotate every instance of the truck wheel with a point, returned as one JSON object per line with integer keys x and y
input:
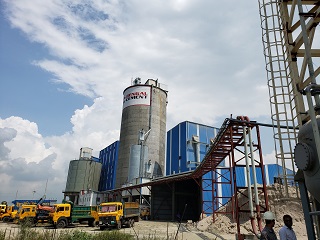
{"x": 118, "y": 225}
{"x": 28, "y": 222}
{"x": 61, "y": 224}
{"x": 131, "y": 222}
{"x": 6, "y": 219}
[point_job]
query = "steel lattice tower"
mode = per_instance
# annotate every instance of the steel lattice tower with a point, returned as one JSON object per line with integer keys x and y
{"x": 291, "y": 42}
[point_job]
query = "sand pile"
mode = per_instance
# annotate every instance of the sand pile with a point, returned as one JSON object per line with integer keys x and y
{"x": 278, "y": 205}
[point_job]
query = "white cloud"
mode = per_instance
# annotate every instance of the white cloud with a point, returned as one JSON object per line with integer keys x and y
{"x": 25, "y": 163}
{"x": 28, "y": 160}
{"x": 27, "y": 138}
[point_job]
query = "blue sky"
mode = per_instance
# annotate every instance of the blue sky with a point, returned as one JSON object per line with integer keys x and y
{"x": 64, "y": 66}
{"x": 29, "y": 90}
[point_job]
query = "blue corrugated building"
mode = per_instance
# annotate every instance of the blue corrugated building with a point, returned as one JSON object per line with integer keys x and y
{"x": 187, "y": 144}
{"x": 109, "y": 158}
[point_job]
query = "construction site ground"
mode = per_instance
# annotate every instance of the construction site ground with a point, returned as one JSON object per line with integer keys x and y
{"x": 224, "y": 227}
{"x": 203, "y": 230}
{"x": 147, "y": 229}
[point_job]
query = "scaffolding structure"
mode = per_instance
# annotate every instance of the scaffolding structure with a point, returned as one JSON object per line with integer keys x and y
{"x": 292, "y": 49}
{"x": 238, "y": 146}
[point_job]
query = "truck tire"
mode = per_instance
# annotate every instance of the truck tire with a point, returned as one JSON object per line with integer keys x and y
{"x": 93, "y": 223}
{"x": 61, "y": 223}
{"x": 131, "y": 222}
{"x": 118, "y": 226}
{"x": 28, "y": 222}
{"x": 6, "y": 219}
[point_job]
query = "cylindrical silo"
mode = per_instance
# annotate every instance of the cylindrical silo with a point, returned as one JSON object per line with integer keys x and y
{"x": 83, "y": 174}
{"x": 136, "y": 157}
{"x": 144, "y": 108}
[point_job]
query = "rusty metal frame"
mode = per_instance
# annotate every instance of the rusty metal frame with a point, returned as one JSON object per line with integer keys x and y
{"x": 227, "y": 147}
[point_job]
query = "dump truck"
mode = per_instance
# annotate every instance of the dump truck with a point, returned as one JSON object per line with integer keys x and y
{"x": 118, "y": 214}
{"x": 32, "y": 214}
{"x": 65, "y": 214}
{"x": 27, "y": 214}
{"x": 9, "y": 214}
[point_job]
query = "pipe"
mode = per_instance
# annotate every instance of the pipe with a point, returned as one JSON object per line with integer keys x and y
{"x": 257, "y": 201}
{"x": 252, "y": 217}
{"x": 247, "y": 171}
{"x": 254, "y": 226}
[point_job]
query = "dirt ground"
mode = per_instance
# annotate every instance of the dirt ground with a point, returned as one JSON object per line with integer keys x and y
{"x": 148, "y": 229}
{"x": 222, "y": 229}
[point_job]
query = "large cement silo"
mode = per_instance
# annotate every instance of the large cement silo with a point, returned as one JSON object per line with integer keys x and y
{"x": 144, "y": 109}
{"x": 84, "y": 173}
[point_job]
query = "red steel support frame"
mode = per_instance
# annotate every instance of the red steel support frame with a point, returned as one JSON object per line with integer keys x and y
{"x": 228, "y": 148}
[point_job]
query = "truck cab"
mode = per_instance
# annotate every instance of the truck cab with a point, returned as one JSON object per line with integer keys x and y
{"x": 110, "y": 215}
{"x": 116, "y": 214}
{"x": 60, "y": 217}
{"x": 27, "y": 213}
{"x": 9, "y": 214}
{"x": 3, "y": 208}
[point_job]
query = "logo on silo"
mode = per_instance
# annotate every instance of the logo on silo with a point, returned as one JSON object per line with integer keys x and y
{"x": 139, "y": 95}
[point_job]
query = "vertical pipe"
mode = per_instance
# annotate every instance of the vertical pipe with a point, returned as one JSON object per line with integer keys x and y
{"x": 141, "y": 159}
{"x": 262, "y": 169}
{"x": 305, "y": 204}
{"x": 198, "y": 160}
{"x": 197, "y": 148}
{"x": 233, "y": 180}
{"x": 248, "y": 171}
{"x": 150, "y": 109}
{"x": 253, "y": 165}
{"x": 253, "y": 169}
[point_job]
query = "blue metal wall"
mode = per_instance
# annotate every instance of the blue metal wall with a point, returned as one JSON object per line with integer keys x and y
{"x": 109, "y": 159}
{"x": 180, "y": 149}
{"x": 181, "y": 152}
{"x": 275, "y": 171}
